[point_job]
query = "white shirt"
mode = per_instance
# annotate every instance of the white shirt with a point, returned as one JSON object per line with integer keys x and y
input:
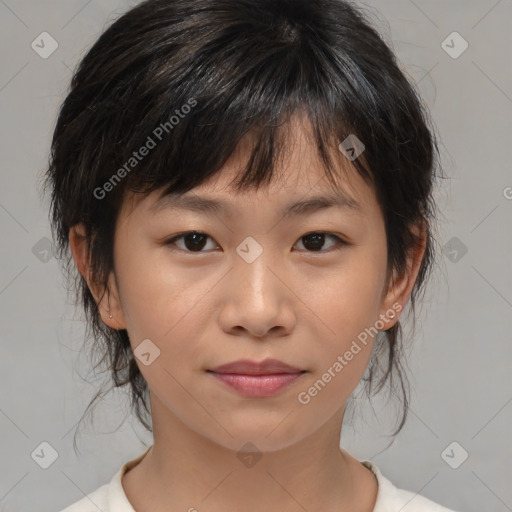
{"x": 112, "y": 498}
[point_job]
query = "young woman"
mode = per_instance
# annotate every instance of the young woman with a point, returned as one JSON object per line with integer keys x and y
{"x": 245, "y": 189}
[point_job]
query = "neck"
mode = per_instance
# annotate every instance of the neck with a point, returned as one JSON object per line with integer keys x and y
{"x": 189, "y": 471}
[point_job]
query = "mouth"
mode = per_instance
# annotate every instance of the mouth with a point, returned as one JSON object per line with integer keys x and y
{"x": 257, "y": 379}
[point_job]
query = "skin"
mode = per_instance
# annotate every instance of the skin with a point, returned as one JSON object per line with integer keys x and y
{"x": 203, "y": 309}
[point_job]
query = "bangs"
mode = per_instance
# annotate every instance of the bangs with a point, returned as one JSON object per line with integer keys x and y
{"x": 200, "y": 150}
{"x": 188, "y": 106}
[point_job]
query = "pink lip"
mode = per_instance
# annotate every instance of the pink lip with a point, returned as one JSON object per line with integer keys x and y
{"x": 257, "y": 379}
{"x": 248, "y": 367}
{"x": 258, "y": 385}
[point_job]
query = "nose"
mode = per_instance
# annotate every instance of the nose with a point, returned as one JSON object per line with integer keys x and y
{"x": 256, "y": 299}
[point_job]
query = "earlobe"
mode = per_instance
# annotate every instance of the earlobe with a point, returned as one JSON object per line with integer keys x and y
{"x": 107, "y": 299}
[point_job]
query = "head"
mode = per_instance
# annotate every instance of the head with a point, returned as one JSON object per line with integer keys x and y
{"x": 254, "y": 105}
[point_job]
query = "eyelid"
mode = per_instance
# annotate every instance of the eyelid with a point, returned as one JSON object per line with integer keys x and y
{"x": 340, "y": 241}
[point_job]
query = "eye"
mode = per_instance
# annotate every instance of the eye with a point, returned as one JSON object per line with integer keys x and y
{"x": 316, "y": 239}
{"x": 195, "y": 241}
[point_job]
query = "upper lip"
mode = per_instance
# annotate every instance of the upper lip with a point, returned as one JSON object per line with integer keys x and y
{"x": 248, "y": 367}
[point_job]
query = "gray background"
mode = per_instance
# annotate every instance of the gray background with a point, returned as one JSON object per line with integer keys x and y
{"x": 460, "y": 360}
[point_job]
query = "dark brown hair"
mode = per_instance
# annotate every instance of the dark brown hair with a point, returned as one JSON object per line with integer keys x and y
{"x": 195, "y": 76}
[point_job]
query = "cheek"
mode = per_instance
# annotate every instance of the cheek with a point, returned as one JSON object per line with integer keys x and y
{"x": 154, "y": 296}
{"x": 349, "y": 301}
{"x": 349, "y": 306}
{"x": 165, "y": 305}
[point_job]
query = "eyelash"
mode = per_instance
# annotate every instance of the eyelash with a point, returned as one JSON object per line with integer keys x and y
{"x": 171, "y": 241}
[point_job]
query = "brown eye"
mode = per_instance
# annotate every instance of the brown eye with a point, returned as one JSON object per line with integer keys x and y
{"x": 196, "y": 241}
{"x": 313, "y": 242}
{"x": 193, "y": 241}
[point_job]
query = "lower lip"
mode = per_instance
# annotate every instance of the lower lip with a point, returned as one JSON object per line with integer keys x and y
{"x": 258, "y": 385}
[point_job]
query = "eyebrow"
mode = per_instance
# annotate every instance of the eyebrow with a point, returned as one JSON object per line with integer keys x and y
{"x": 206, "y": 205}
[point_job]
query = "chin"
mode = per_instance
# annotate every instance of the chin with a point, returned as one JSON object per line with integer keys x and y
{"x": 267, "y": 432}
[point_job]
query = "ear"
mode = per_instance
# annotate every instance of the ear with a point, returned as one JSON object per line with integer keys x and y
{"x": 107, "y": 298}
{"x": 399, "y": 288}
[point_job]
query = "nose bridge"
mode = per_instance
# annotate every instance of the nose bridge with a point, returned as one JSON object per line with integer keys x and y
{"x": 253, "y": 262}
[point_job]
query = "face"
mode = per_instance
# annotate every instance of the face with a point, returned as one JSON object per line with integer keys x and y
{"x": 305, "y": 287}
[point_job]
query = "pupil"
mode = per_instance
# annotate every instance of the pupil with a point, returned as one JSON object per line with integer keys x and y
{"x": 194, "y": 245}
{"x": 318, "y": 237}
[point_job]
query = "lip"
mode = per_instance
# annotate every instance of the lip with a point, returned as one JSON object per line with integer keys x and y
{"x": 257, "y": 379}
{"x": 248, "y": 367}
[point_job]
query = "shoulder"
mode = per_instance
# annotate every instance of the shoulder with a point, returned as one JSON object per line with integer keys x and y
{"x": 391, "y": 499}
